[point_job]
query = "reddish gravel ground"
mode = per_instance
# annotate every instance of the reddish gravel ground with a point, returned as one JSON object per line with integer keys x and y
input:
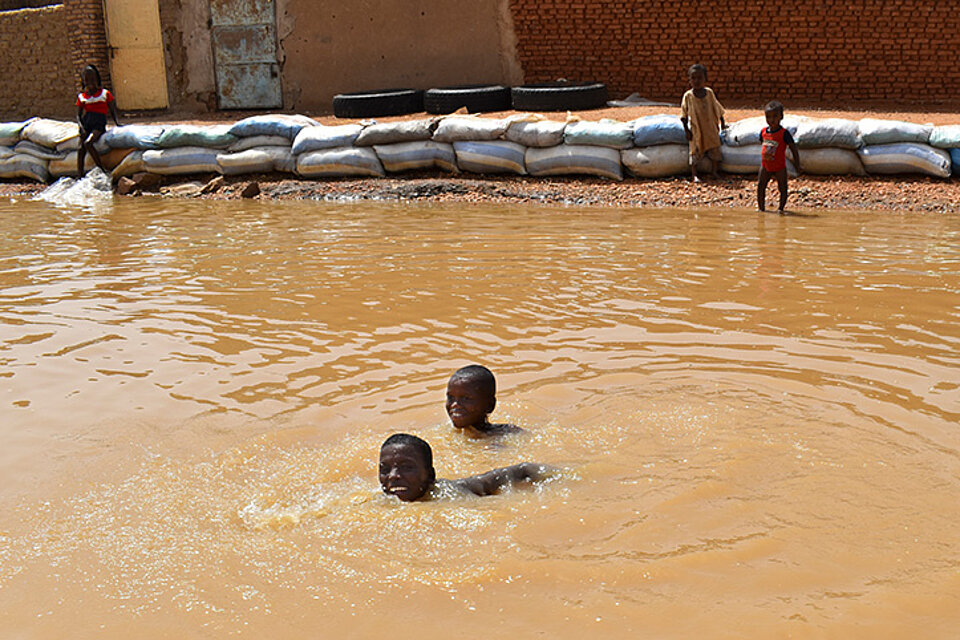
{"x": 806, "y": 192}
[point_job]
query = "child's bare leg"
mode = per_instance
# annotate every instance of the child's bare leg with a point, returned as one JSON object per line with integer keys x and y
{"x": 81, "y": 156}
{"x": 762, "y": 180}
{"x": 93, "y": 152}
{"x": 693, "y": 168}
{"x": 782, "y": 185}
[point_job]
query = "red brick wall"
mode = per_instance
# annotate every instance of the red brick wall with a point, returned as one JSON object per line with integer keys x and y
{"x": 35, "y": 57}
{"x": 812, "y": 52}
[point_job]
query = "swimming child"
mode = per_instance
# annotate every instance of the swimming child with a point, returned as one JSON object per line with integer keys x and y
{"x": 775, "y": 140}
{"x": 93, "y": 104}
{"x": 471, "y": 397}
{"x": 406, "y": 471}
{"x": 702, "y": 117}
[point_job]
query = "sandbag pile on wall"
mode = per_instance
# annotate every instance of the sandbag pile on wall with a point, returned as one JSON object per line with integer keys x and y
{"x": 525, "y": 144}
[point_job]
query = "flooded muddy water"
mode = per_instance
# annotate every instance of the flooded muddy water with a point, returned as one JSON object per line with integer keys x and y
{"x": 756, "y": 417}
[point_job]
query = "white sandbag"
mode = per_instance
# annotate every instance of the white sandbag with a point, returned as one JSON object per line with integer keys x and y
{"x": 181, "y": 161}
{"x": 905, "y": 158}
{"x": 658, "y": 161}
{"x": 874, "y": 131}
{"x": 946, "y": 137}
{"x": 467, "y": 128}
{"x": 543, "y": 133}
{"x": 130, "y": 165}
{"x": 6, "y": 152}
{"x": 748, "y": 159}
{"x": 257, "y": 160}
{"x": 133, "y": 136}
{"x": 567, "y": 159}
{"x": 49, "y": 133}
{"x": 605, "y": 133}
{"x": 747, "y": 131}
{"x": 831, "y": 162}
{"x": 394, "y": 132}
{"x": 287, "y": 126}
{"x": 21, "y": 165}
{"x": 187, "y": 135}
{"x": 10, "y": 132}
{"x": 37, "y": 151}
{"x": 323, "y": 137}
{"x": 658, "y": 129}
{"x": 422, "y": 154}
{"x": 343, "y": 161}
{"x": 491, "y": 156}
{"x": 830, "y": 132}
{"x": 67, "y": 166}
{"x": 252, "y": 142}
{"x": 73, "y": 144}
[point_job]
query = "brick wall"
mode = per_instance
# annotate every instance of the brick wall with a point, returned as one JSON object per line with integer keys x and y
{"x": 35, "y": 56}
{"x": 88, "y": 37}
{"x": 810, "y": 52}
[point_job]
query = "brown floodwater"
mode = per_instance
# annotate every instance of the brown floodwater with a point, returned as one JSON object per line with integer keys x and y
{"x": 756, "y": 419}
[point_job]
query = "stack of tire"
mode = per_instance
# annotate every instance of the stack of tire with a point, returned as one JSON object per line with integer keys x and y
{"x": 559, "y": 96}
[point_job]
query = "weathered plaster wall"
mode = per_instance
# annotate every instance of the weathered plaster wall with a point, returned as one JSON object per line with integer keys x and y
{"x": 329, "y": 47}
{"x": 186, "y": 47}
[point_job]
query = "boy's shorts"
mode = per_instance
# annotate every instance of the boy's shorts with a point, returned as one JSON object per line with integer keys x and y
{"x": 714, "y": 154}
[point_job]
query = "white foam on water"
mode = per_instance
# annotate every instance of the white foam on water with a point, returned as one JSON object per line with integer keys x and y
{"x": 92, "y": 191}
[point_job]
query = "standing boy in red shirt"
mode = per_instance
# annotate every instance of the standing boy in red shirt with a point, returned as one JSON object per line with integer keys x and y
{"x": 775, "y": 140}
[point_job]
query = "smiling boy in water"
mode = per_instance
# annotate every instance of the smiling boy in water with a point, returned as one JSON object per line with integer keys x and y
{"x": 471, "y": 397}
{"x": 406, "y": 471}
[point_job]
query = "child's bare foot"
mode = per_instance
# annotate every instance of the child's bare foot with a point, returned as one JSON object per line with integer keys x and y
{"x": 697, "y": 180}
{"x": 762, "y": 209}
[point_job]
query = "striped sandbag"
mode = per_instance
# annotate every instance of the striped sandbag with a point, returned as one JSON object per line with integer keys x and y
{"x": 905, "y": 158}
{"x": 257, "y": 160}
{"x": 181, "y": 161}
{"x": 874, "y": 131}
{"x": 657, "y": 161}
{"x": 491, "y": 157}
{"x": 831, "y": 162}
{"x": 605, "y": 133}
{"x": 420, "y": 154}
{"x": 340, "y": 162}
{"x": 22, "y": 165}
{"x": 569, "y": 159}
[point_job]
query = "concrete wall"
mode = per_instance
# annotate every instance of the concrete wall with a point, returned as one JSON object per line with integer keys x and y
{"x": 330, "y": 46}
{"x": 35, "y": 55}
{"x": 799, "y": 51}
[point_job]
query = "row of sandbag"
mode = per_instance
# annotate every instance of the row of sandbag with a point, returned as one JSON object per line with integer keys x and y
{"x": 518, "y": 144}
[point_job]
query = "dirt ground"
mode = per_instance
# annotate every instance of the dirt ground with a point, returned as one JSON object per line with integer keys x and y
{"x": 888, "y": 193}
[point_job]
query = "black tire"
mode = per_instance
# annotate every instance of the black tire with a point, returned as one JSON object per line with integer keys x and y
{"x": 560, "y": 97}
{"x": 477, "y": 98}
{"x": 390, "y": 102}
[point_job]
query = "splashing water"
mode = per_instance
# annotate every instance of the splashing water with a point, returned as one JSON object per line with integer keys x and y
{"x": 92, "y": 191}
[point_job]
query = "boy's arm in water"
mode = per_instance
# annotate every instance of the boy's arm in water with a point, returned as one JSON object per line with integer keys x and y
{"x": 493, "y": 482}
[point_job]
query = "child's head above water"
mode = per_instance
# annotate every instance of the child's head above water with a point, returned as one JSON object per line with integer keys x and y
{"x": 406, "y": 467}
{"x": 471, "y": 397}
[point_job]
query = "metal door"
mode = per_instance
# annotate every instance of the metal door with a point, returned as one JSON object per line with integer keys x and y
{"x": 244, "y": 35}
{"x": 137, "y": 67}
